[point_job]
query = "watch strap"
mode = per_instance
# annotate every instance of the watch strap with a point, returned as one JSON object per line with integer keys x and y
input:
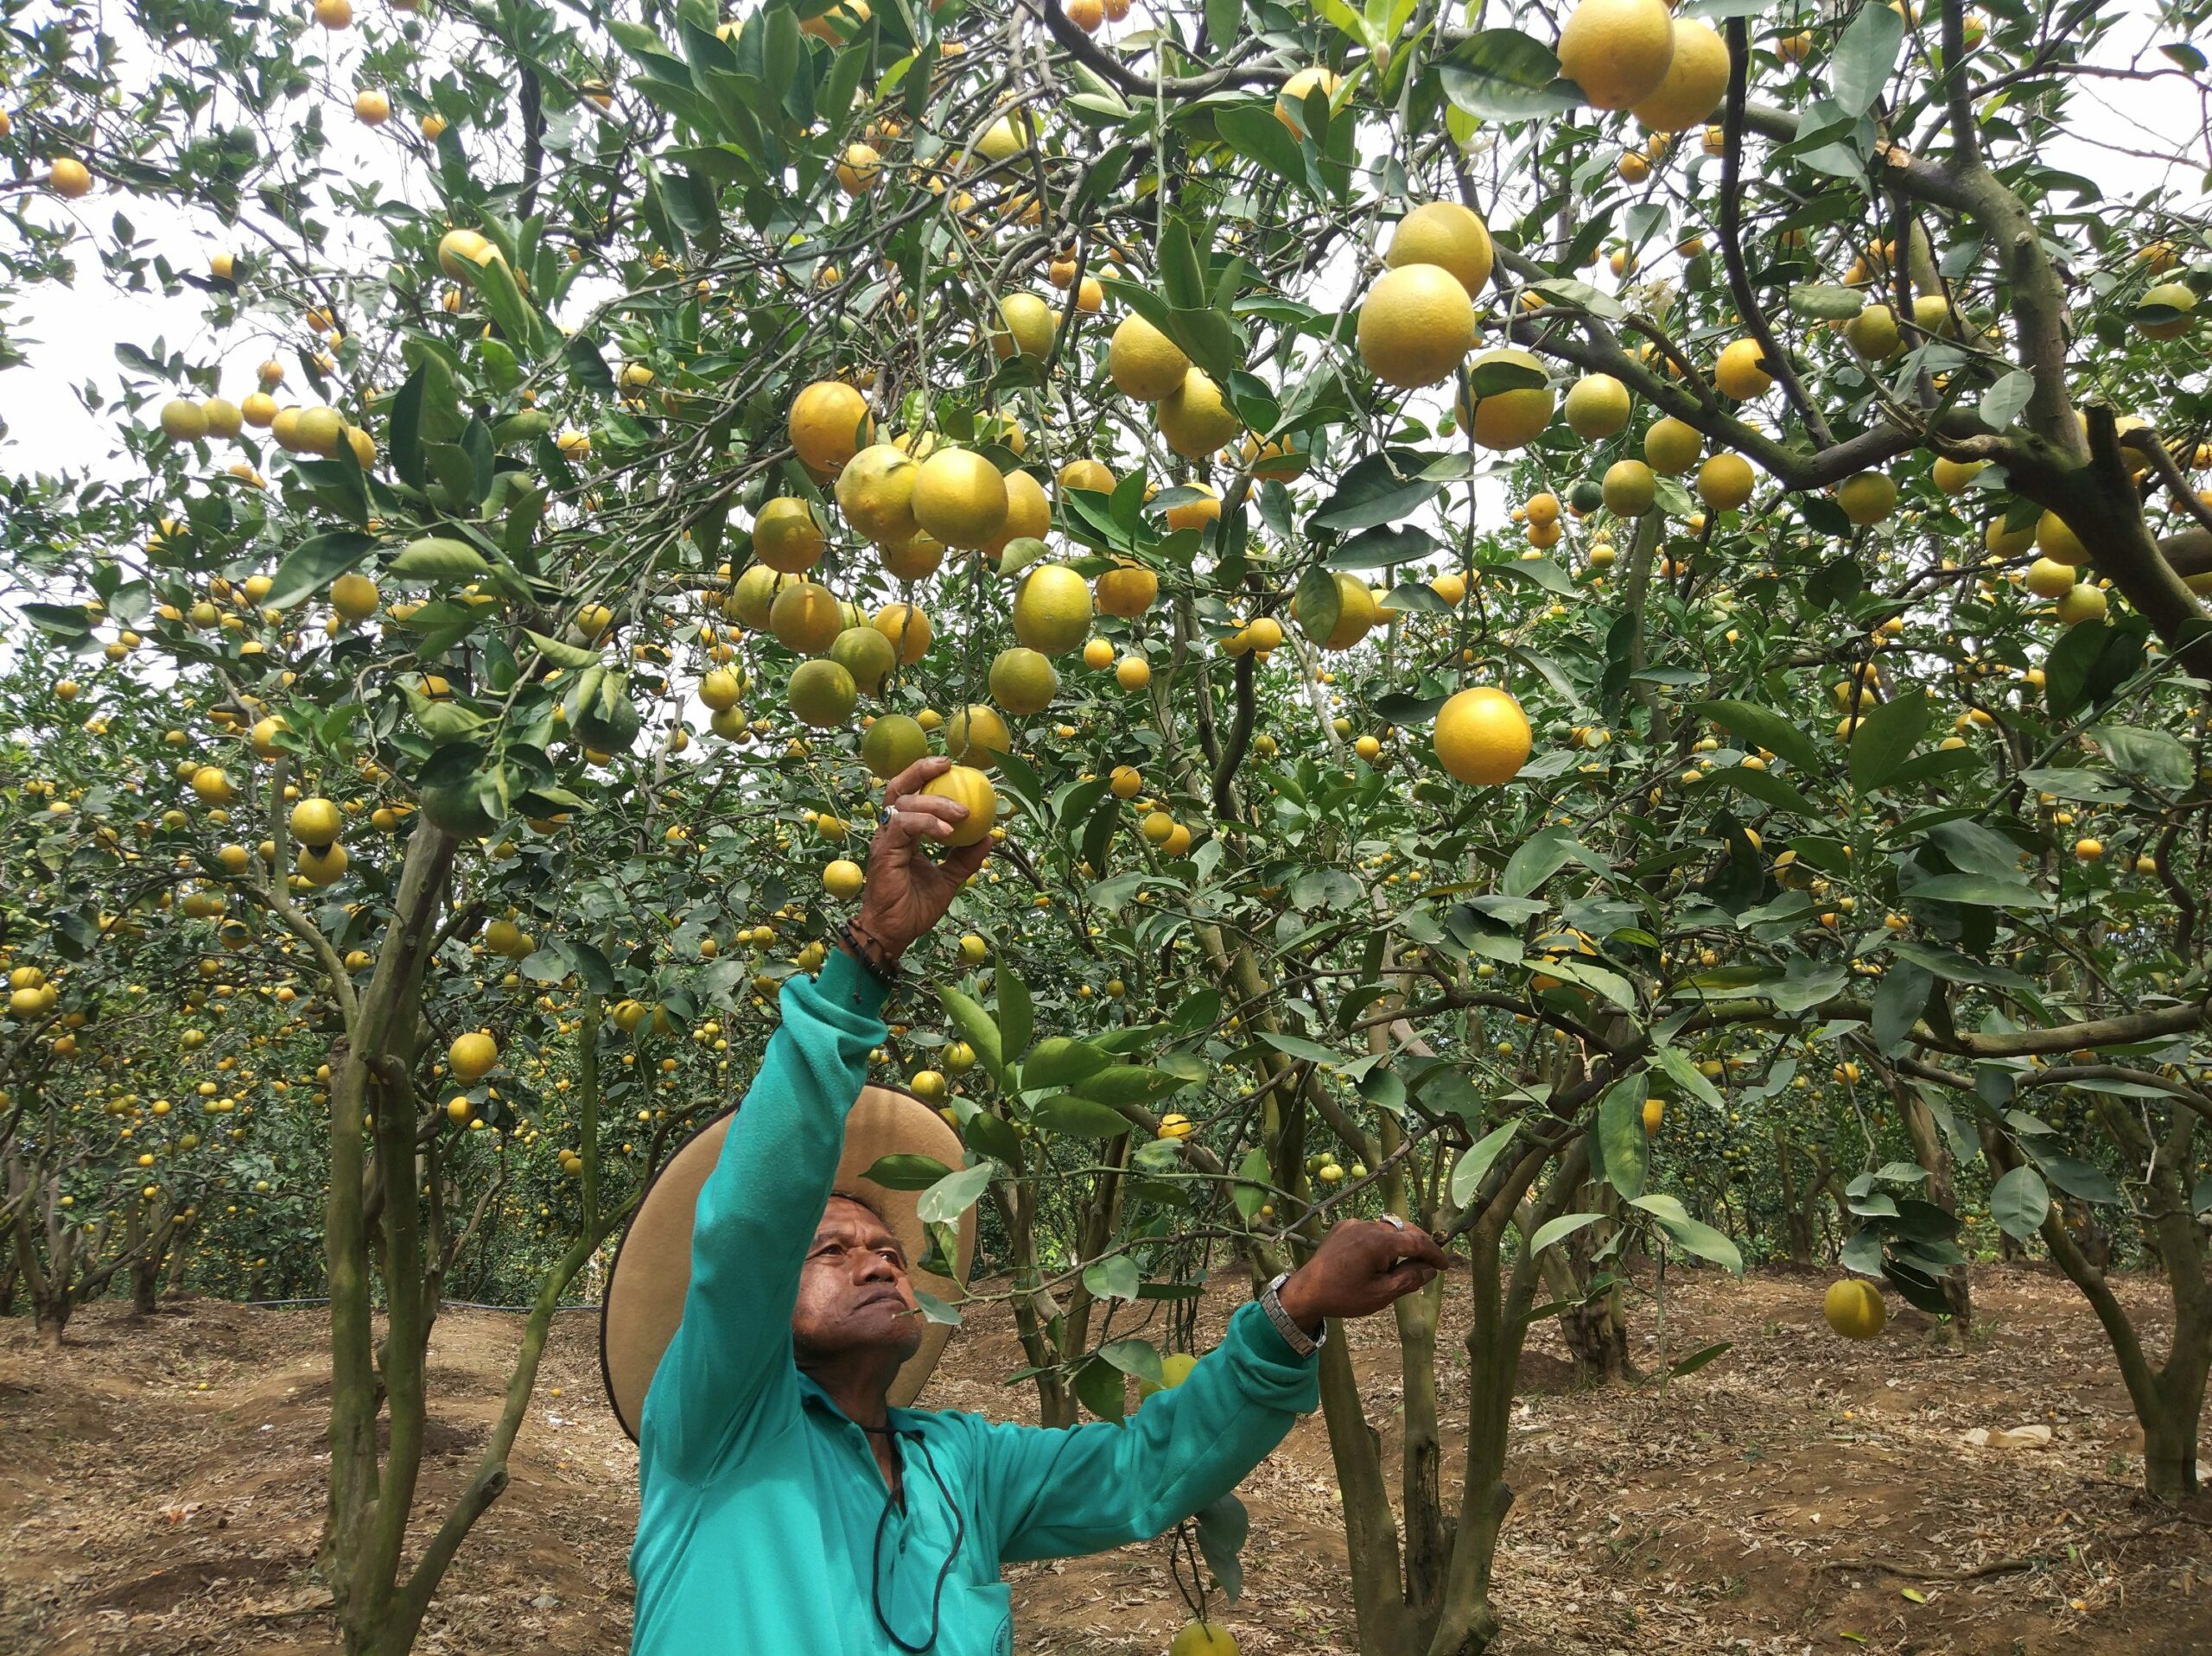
{"x": 1293, "y": 1337}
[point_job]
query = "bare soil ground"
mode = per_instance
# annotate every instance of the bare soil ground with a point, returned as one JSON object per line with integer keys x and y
{"x": 161, "y": 1493}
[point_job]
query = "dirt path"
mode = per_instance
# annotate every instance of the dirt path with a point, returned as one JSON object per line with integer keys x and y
{"x": 161, "y": 1493}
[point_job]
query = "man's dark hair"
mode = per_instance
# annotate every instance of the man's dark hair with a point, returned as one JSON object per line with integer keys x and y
{"x": 867, "y": 1201}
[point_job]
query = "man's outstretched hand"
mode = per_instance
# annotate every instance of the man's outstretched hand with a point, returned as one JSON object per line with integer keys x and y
{"x": 1362, "y": 1266}
{"x": 908, "y": 892}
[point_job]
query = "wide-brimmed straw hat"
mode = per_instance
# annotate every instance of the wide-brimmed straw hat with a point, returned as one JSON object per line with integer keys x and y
{"x": 644, "y": 1300}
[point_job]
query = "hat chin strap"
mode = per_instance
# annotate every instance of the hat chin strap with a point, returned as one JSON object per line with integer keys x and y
{"x": 944, "y": 1570}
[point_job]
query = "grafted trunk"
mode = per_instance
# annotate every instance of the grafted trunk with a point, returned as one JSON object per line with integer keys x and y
{"x": 1934, "y": 1156}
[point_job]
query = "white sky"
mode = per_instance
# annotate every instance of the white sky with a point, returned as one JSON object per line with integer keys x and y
{"x": 69, "y": 335}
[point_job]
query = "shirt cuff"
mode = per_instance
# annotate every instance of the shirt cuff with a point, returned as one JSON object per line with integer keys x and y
{"x": 845, "y": 982}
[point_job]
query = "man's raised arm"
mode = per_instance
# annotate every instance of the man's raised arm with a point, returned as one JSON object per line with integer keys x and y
{"x": 758, "y": 1209}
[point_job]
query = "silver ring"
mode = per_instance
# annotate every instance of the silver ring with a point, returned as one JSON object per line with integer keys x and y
{"x": 1393, "y": 1220}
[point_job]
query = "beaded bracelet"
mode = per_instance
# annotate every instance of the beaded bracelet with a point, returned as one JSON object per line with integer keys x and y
{"x": 869, "y": 953}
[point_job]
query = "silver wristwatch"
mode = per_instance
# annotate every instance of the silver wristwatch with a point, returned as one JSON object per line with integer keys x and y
{"x": 1293, "y": 1337}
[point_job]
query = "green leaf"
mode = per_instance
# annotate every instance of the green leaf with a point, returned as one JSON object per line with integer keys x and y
{"x": 2150, "y": 756}
{"x": 1685, "y": 1074}
{"x": 1250, "y": 1193}
{"x": 1563, "y": 1226}
{"x": 1383, "y": 488}
{"x": 1223, "y": 1526}
{"x": 315, "y": 563}
{"x": 1821, "y": 301}
{"x": 587, "y": 369}
{"x": 944, "y": 1202}
{"x": 1691, "y": 1236}
{"x": 1475, "y": 1161}
{"x": 1115, "y": 1278}
{"x": 1763, "y": 786}
{"x": 2006, "y": 400}
{"x": 2018, "y": 1202}
{"x": 1078, "y": 1118}
{"x": 992, "y": 1135}
{"x": 1103, "y": 1389}
{"x": 1884, "y": 739}
{"x": 1130, "y": 1083}
{"x": 1296, "y": 1046}
{"x": 1541, "y": 855}
{"x": 1252, "y": 131}
{"x": 573, "y": 656}
{"x": 1763, "y": 728}
{"x": 1621, "y": 1138}
{"x": 1014, "y": 1019}
{"x": 1864, "y": 57}
{"x": 1059, "y": 1060}
{"x": 977, "y": 1028}
{"x": 2090, "y": 663}
{"x": 906, "y": 1171}
{"x": 1501, "y": 74}
{"x": 1980, "y": 891}
{"x": 1697, "y": 1360}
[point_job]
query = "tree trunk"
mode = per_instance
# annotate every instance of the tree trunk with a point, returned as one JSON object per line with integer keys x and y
{"x": 1934, "y": 1156}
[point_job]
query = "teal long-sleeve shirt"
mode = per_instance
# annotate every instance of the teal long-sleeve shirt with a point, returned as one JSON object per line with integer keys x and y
{"x": 765, "y": 1527}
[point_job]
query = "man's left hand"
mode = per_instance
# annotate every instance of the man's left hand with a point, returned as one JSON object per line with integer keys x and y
{"x": 907, "y": 891}
{"x": 1362, "y": 1266}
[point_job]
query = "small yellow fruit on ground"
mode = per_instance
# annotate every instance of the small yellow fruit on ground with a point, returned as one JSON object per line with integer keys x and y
{"x": 968, "y": 786}
{"x": 473, "y": 1056}
{"x": 1618, "y": 51}
{"x": 1447, "y": 235}
{"x": 1853, "y": 1308}
{"x": 1482, "y": 737}
{"x": 843, "y": 879}
{"x": 829, "y": 424}
{"x": 1143, "y": 362}
{"x": 1414, "y": 324}
{"x": 1695, "y": 81}
{"x": 1194, "y": 419}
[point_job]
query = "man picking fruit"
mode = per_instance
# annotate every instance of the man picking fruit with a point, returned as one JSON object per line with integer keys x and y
{"x": 759, "y": 1338}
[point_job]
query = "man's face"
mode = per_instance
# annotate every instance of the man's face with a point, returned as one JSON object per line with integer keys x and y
{"x": 853, "y": 1292}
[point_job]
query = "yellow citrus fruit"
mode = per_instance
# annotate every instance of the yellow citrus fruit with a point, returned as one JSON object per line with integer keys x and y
{"x": 258, "y": 410}
{"x": 1001, "y": 139}
{"x": 1089, "y": 475}
{"x": 1853, "y": 1308}
{"x": 1695, "y": 81}
{"x": 906, "y": 627}
{"x": 1029, "y": 513}
{"x": 754, "y": 597}
{"x": 1447, "y": 235}
{"x": 1143, "y": 362}
{"x": 1873, "y": 332}
{"x": 1596, "y": 407}
{"x": 805, "y": 617}
{"x": 1157, "y": 826}
{"x": 1618, "y": 51}
{"x": 1866, "y": 499}
{"x": 2056, "y": 539}
{"x": 1126, "y": 590}
{"x": 183, "y": 420}
{"x": 876, "y": 491}
{"x": 891, "y": 744}
{"x": 2048, "y": 578}
{"x": 1197, "y": 514}
{"x": 858, "y": 168}
{"x": 916, "y": 558}
{"x": 1507, "y": 419}
{"x": 1737, "y": 372}
{"x": 2172, "y": 295}
{"x": 1654, "y": 1113}
{"x": 1482, "y": 736}
{"x": 67, "y": 177}
{"x": 1450, "y": 587}
{"x": 355, "y": 597}
{"x": 320, "y": 430}
{"x": 1414, "y": 324}
{"x": 471, "y": 1056}
{"x": 830, "y": 424}
{"x": 1052, "y": 609}
{"x": 785, "y": 536}
{"x": 1026, "y": 325}
{"x": 2082, "y": 603}
{"x": 317, "y": 821}
{"x": 867, "y": 655}
{"x": 1724, "y": 482}
{"x": 1952, "y": 476}
{"x": 1126, "y": 781}
{"x": 720, "y": 689}
{"x": 1630, "y": 488}
{"x": 1022, "y": 680}
{"x": 822, "y": 693}
{"x": 1354, "y": 618}
{"x": 2004, "y": 543}
{"x": 843, "y": 879}
{"x": 322, "y": 865}
{"x": 1294, "y": 90}
{"x": 1931, "y": 314}
{"x": 976, "y": 735}
{"x": 224, "y": 418}
{"x": 1133, "y": 672}
{"x": 1672, "y": 446}
{"x": 968, "y": 786}
{"x": 1194, "y": 419}
{"x": 959, "y": 498}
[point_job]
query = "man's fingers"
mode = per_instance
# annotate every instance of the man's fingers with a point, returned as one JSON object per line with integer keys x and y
{"x": 962, "y": 864}
{"x": 932, "y": 805}
{"x": 913, "y": 776}
{"x": 1413, "y": 1244}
